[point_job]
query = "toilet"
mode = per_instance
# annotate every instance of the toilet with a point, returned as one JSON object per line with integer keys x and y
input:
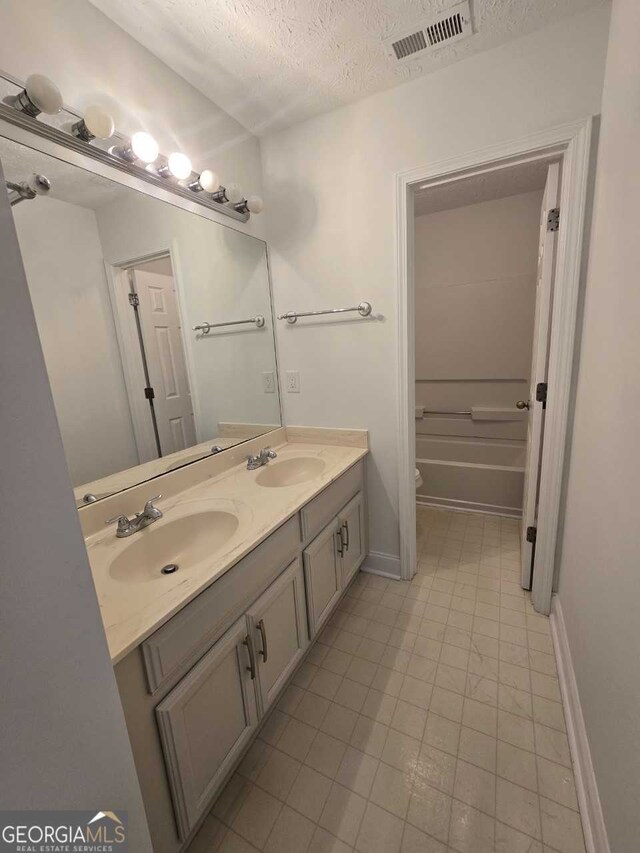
{"x": 418, "y": 479}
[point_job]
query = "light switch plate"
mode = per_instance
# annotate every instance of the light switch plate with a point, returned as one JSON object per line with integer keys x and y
{"x": 269, "y": 382}
{"x": 293, "y": 382}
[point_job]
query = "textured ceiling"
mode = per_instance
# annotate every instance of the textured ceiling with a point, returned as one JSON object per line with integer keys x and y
{"x": 272, "y": 63}
{"x": 523, "y": 178}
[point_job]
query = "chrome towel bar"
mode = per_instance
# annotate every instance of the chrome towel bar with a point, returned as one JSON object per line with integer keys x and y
{"x": 364, "y": 309}
{"x": 205, "y": 328}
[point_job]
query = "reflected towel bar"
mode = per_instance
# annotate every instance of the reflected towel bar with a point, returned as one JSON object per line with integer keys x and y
{"x": 464, "y": 412}
{"x": 205, "y": 328}
{"x": 364, "y": 309}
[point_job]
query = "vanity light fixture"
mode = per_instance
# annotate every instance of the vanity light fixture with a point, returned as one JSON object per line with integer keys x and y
{"x": 36, "y": 185}
{"x": 96, "y": 124}
{"x": 40, "y": 95}
{"x": 253, "y": 204}
{"x": 207, "y": 180}
{"x": 178, "y": 165}
{"x": 231, "y": 194}
{"x": 142, "y": 147}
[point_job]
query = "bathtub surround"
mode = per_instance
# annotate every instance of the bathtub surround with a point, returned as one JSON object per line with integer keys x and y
{"x": 475, "y": 284}
{"x": 599, "y": 581}
{"x": 322, "y": 251}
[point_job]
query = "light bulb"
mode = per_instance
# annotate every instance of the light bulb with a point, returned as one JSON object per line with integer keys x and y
{"x": 179, "y": 165}
{"x": 144, "y": 146}
{"x": 233, "y": 193}
{"x": 255, "y": 204}
{"x": 209, "y": 181}
{"x": 40, "y": 95}
{"x": 96, "y": 124}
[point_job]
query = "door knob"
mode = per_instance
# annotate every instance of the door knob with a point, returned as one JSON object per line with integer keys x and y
{"x": 523, "y": 404}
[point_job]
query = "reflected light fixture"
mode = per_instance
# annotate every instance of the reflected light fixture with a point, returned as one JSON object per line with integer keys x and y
{"x": 207, "y": 180}
{"x": 178, "y": 165}
{"x": 253, "y": 204}
{"x": 96, "y": 124}
{"x": 40, "y": 95}
{"x": 142, "y": 147}
{"x": 232, "y": 193}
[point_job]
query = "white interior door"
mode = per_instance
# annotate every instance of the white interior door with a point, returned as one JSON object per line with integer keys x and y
{"x": 166, "y": 362}
{"x": 539, "y": 360}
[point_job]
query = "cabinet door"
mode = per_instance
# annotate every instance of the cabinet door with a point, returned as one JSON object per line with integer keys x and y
{"x": 351, "y": 521}
{"x": 205, "y": 722}
{"x": 277, "y": 623}
{"x": 323, "y": 575}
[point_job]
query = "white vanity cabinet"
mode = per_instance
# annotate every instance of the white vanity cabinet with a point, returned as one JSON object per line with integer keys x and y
{"x": 277, "y": 627}
{"x": 195, "y": 692}
{"x": 332, "y": 559}
{"x": 205, "y": 723}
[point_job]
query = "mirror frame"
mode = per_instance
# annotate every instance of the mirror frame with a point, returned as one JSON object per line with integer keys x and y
{"x": 50, "y": 141}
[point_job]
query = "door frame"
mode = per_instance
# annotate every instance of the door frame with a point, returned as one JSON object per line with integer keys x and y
{"x": 571, "y": 144}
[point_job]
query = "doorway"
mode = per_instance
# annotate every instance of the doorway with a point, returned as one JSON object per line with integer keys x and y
{"x": 153, "y": 355}
{"x": 570, "y": 148}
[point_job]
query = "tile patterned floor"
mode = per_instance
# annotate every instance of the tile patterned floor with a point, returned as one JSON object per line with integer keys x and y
{"x": 426, "y": 719}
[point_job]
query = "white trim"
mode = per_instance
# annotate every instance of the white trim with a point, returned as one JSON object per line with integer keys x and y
{"x": 385, "y": 565}
{"x": 468, "y": 506}
{"x": 571, "y": 143}
{"x": 593, "y": 825}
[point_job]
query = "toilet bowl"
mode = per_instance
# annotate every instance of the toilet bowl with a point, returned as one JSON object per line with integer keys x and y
{"x": 418, "y": 479}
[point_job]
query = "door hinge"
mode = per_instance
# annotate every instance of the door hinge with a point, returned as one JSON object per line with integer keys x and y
{"x": 531, "y": 534}
{"x": 149, "y": 393}
{"x": 134, "y": 300}
{"x": 553, "y": 219}
{"x": 541, "y": 393}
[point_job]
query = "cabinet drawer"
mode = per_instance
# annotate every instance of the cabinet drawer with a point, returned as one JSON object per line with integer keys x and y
{"x": 319, "y": 511}
{"x": 177, "y": 645}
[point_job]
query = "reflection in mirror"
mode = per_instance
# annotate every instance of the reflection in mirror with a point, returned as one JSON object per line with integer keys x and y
{"x": 118, "y": 279}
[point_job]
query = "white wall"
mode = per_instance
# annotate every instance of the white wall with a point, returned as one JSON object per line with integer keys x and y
{"x": 330, "y": 187}
{"x": 599, "y": 576}
{"x": 93, "y": 61}
{"x": 475, "y": 273}
{"x": 62, "y": 255}
{"x": 63, "y": 738}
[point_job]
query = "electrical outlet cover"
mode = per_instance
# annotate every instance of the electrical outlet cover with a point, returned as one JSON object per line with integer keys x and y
{"x": 269, "y": 382}
{"x": 293, "y": 382}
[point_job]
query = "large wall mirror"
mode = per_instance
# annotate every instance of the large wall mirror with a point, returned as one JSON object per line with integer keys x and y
{"x": 118, "y": 279}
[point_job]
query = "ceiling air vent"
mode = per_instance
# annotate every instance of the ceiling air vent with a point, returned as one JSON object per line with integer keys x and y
{"x": 450, "y": 26}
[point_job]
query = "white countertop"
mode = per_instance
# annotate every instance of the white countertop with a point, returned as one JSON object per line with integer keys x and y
{"x": 132, "y": 610}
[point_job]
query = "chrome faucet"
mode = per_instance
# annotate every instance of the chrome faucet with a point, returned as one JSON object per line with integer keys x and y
{"x": 261, "y": 459}
{"x": 128, "y": 526}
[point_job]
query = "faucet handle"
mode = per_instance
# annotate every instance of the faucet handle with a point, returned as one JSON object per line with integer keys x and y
{"x": 269, "y": 453}
{"x": 150, "y": 509}
{"x": 123, "y": 521}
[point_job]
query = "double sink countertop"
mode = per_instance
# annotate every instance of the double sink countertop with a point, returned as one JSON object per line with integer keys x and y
{"x": 206, "y": 527}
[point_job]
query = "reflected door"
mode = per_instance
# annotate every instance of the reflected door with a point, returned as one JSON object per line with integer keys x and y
{"x": 166, "y": 362}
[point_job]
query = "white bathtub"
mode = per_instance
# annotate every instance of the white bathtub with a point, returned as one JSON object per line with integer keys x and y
{"x": 471, "y": 474}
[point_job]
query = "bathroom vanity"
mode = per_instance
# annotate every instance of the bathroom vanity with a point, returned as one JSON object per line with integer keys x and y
{"x": 202, "y": 653}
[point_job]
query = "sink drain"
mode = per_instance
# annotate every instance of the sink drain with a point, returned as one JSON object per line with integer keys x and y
{"x": 170, "y": 569}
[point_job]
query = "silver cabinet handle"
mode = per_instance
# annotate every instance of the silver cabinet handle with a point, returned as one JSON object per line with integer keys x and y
{"x": 252, "y": 658}
{"x": 340, "y": 542}
{"x": 523, "y": 404}
{"x": 264, "y": 651}
{"x": 345, "y": 527}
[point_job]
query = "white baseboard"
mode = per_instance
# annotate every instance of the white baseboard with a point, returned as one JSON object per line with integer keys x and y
{"x": 385, "y": 565}
{"x": 595, "y": 832}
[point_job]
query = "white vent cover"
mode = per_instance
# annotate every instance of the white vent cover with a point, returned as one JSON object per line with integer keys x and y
{"x": 447, "y": 27}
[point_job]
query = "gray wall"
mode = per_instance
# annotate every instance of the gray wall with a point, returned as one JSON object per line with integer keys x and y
{"x": 63, "y": 739}
{"x": 599, "y": 575}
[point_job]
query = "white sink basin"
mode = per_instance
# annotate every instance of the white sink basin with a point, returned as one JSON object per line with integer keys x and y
{"x": 291, "y": 472}
{"x": 183, "y": 542}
